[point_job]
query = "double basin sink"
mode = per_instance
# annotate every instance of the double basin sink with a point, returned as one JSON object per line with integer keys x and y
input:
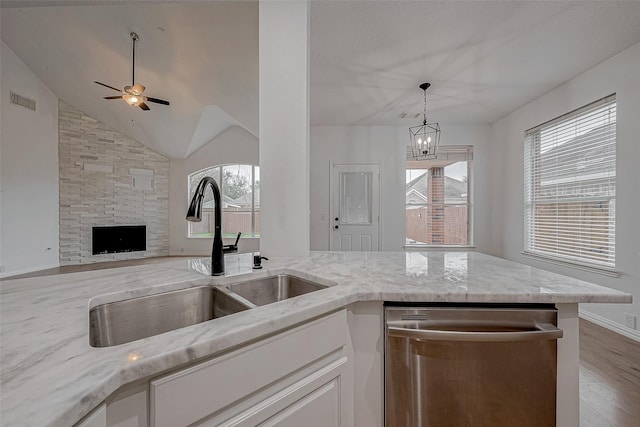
{"x": 124, "y": 321}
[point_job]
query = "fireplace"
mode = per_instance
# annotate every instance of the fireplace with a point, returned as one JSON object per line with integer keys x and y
{"x": 121, "y": 238}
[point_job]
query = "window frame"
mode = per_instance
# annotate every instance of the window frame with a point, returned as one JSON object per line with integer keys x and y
{"x": 220, "y": 181}
{"x": 459, "y": 153}
{"x": 533, "y": 173}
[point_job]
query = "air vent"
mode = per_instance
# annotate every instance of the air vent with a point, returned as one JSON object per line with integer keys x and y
{"x": 409, "y": 115}
{"x": 22, "y": 101}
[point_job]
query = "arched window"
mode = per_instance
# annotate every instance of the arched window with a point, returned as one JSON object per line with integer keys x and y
{"x": 240, "y": 190}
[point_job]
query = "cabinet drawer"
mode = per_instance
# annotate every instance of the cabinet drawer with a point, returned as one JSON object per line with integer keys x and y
{"x": 190, "y": 395}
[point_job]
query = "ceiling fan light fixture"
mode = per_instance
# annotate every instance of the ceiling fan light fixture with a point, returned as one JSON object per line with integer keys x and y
{"x": 132, "y": 95}
{"x": 133, "y": 100}
{"x": 136, "y": 89}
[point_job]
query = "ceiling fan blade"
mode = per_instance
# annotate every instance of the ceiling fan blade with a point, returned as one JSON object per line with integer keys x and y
{"x": 110, "y": 87}
{"x": 112, "y": 97}
{"x": 144, "y": 106}
{"x": 156, "y": 100}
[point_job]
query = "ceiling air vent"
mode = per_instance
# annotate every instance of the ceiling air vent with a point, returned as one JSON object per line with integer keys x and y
{"x": 409, "y": 115}
{"x": 21, "y": 100}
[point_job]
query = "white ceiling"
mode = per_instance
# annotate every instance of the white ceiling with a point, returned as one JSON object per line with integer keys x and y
{"x": 483, "y": 58}
{"x": 201, "y": 56}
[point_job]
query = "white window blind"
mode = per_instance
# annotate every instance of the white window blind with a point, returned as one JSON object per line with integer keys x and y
{"x": 570, "y": 186}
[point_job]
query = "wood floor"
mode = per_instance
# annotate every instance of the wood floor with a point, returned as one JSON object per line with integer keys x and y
{"x": 609, "y": 378}
{"x": 609, "y": 364}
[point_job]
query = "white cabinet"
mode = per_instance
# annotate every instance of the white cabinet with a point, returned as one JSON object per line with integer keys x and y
{"x": 96, "y": 418}
{"x": 365, "y": 321}
{"x": 312, "y": 401}
{"x": 301, "y": 374}
{"x": 127, "y": 407}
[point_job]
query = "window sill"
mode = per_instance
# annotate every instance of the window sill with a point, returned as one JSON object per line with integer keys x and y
{"x": 438, "y": 247}
{"x": 605, "y": 271}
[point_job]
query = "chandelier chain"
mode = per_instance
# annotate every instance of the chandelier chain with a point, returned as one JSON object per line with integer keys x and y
{"x": 425, "y": 108}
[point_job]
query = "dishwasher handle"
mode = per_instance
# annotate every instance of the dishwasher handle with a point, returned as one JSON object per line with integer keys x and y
{"x": 543, "y": 331}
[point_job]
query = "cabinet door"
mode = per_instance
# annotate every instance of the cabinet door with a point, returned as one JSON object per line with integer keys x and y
{"x": 250, "y": 378}
{"x": 316, "y": 400}
{"x": 320, "y": 408}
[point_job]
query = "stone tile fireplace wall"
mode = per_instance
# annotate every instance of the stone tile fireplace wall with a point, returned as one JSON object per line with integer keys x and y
{"x": 98, "y": 169}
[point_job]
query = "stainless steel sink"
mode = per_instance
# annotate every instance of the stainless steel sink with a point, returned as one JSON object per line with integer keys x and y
{"x": 129, "y": 320}
{"x": 275, "y": 288}
{"x": 124, "y": 321}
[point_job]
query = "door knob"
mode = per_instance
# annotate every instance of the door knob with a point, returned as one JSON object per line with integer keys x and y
{"x": 336, "y": 227}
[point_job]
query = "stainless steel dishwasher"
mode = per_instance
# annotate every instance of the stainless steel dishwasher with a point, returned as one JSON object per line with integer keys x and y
{"x": 468, "y": 365}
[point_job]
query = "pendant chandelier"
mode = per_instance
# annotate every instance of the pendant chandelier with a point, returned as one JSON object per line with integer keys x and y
{"x": 425, "y": 138}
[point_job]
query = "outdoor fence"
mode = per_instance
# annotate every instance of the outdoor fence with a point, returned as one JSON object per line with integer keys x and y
{"x": 426, "y": 227}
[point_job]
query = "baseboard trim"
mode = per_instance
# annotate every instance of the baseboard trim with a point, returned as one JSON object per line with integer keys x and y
{"x": 611, "y": 325}
{"x": 9, "y": 274}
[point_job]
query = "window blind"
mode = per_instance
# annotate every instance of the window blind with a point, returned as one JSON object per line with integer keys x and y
{"x": 570, "y": 186}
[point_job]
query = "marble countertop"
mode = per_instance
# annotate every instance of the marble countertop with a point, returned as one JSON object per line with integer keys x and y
{"x": 50, "y": 376}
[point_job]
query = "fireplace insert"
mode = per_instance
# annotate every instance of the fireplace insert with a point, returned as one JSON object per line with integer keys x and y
{"x": 121, "y": 238}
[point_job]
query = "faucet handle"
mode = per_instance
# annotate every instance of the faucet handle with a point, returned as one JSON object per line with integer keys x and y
{"x": 232, "y": 248}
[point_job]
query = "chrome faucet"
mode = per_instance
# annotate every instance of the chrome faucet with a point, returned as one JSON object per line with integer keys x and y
{"x": 194, "y": 214}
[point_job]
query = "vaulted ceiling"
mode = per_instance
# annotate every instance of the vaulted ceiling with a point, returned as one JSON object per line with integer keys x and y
{"x": 201, "y": 56}
{"x": 483, "y": 58}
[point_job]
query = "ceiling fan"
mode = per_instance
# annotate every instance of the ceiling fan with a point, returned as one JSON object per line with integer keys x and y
{"x": 132, "y": 95}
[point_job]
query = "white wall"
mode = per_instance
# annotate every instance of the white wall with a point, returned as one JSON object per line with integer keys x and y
{"x": 386, "y": 145}
{"x": 618, "y": 74}
{"x": 28, "y": 171}
{"x": 234, "y": 145}
{"x": 284, "y": 128}
{"x": 93, "y": 198}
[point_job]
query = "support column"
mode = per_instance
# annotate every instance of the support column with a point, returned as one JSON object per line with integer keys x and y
{"x": 568, "y": 386}
{"x": 284, "y": 128}
{"x": 435, "y": 195}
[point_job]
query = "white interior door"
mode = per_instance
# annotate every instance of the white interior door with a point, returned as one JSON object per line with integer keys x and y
{"x": 355, "y": 207}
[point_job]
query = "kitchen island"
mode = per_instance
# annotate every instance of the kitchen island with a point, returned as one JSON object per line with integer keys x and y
{"x": 51, "y": 376}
